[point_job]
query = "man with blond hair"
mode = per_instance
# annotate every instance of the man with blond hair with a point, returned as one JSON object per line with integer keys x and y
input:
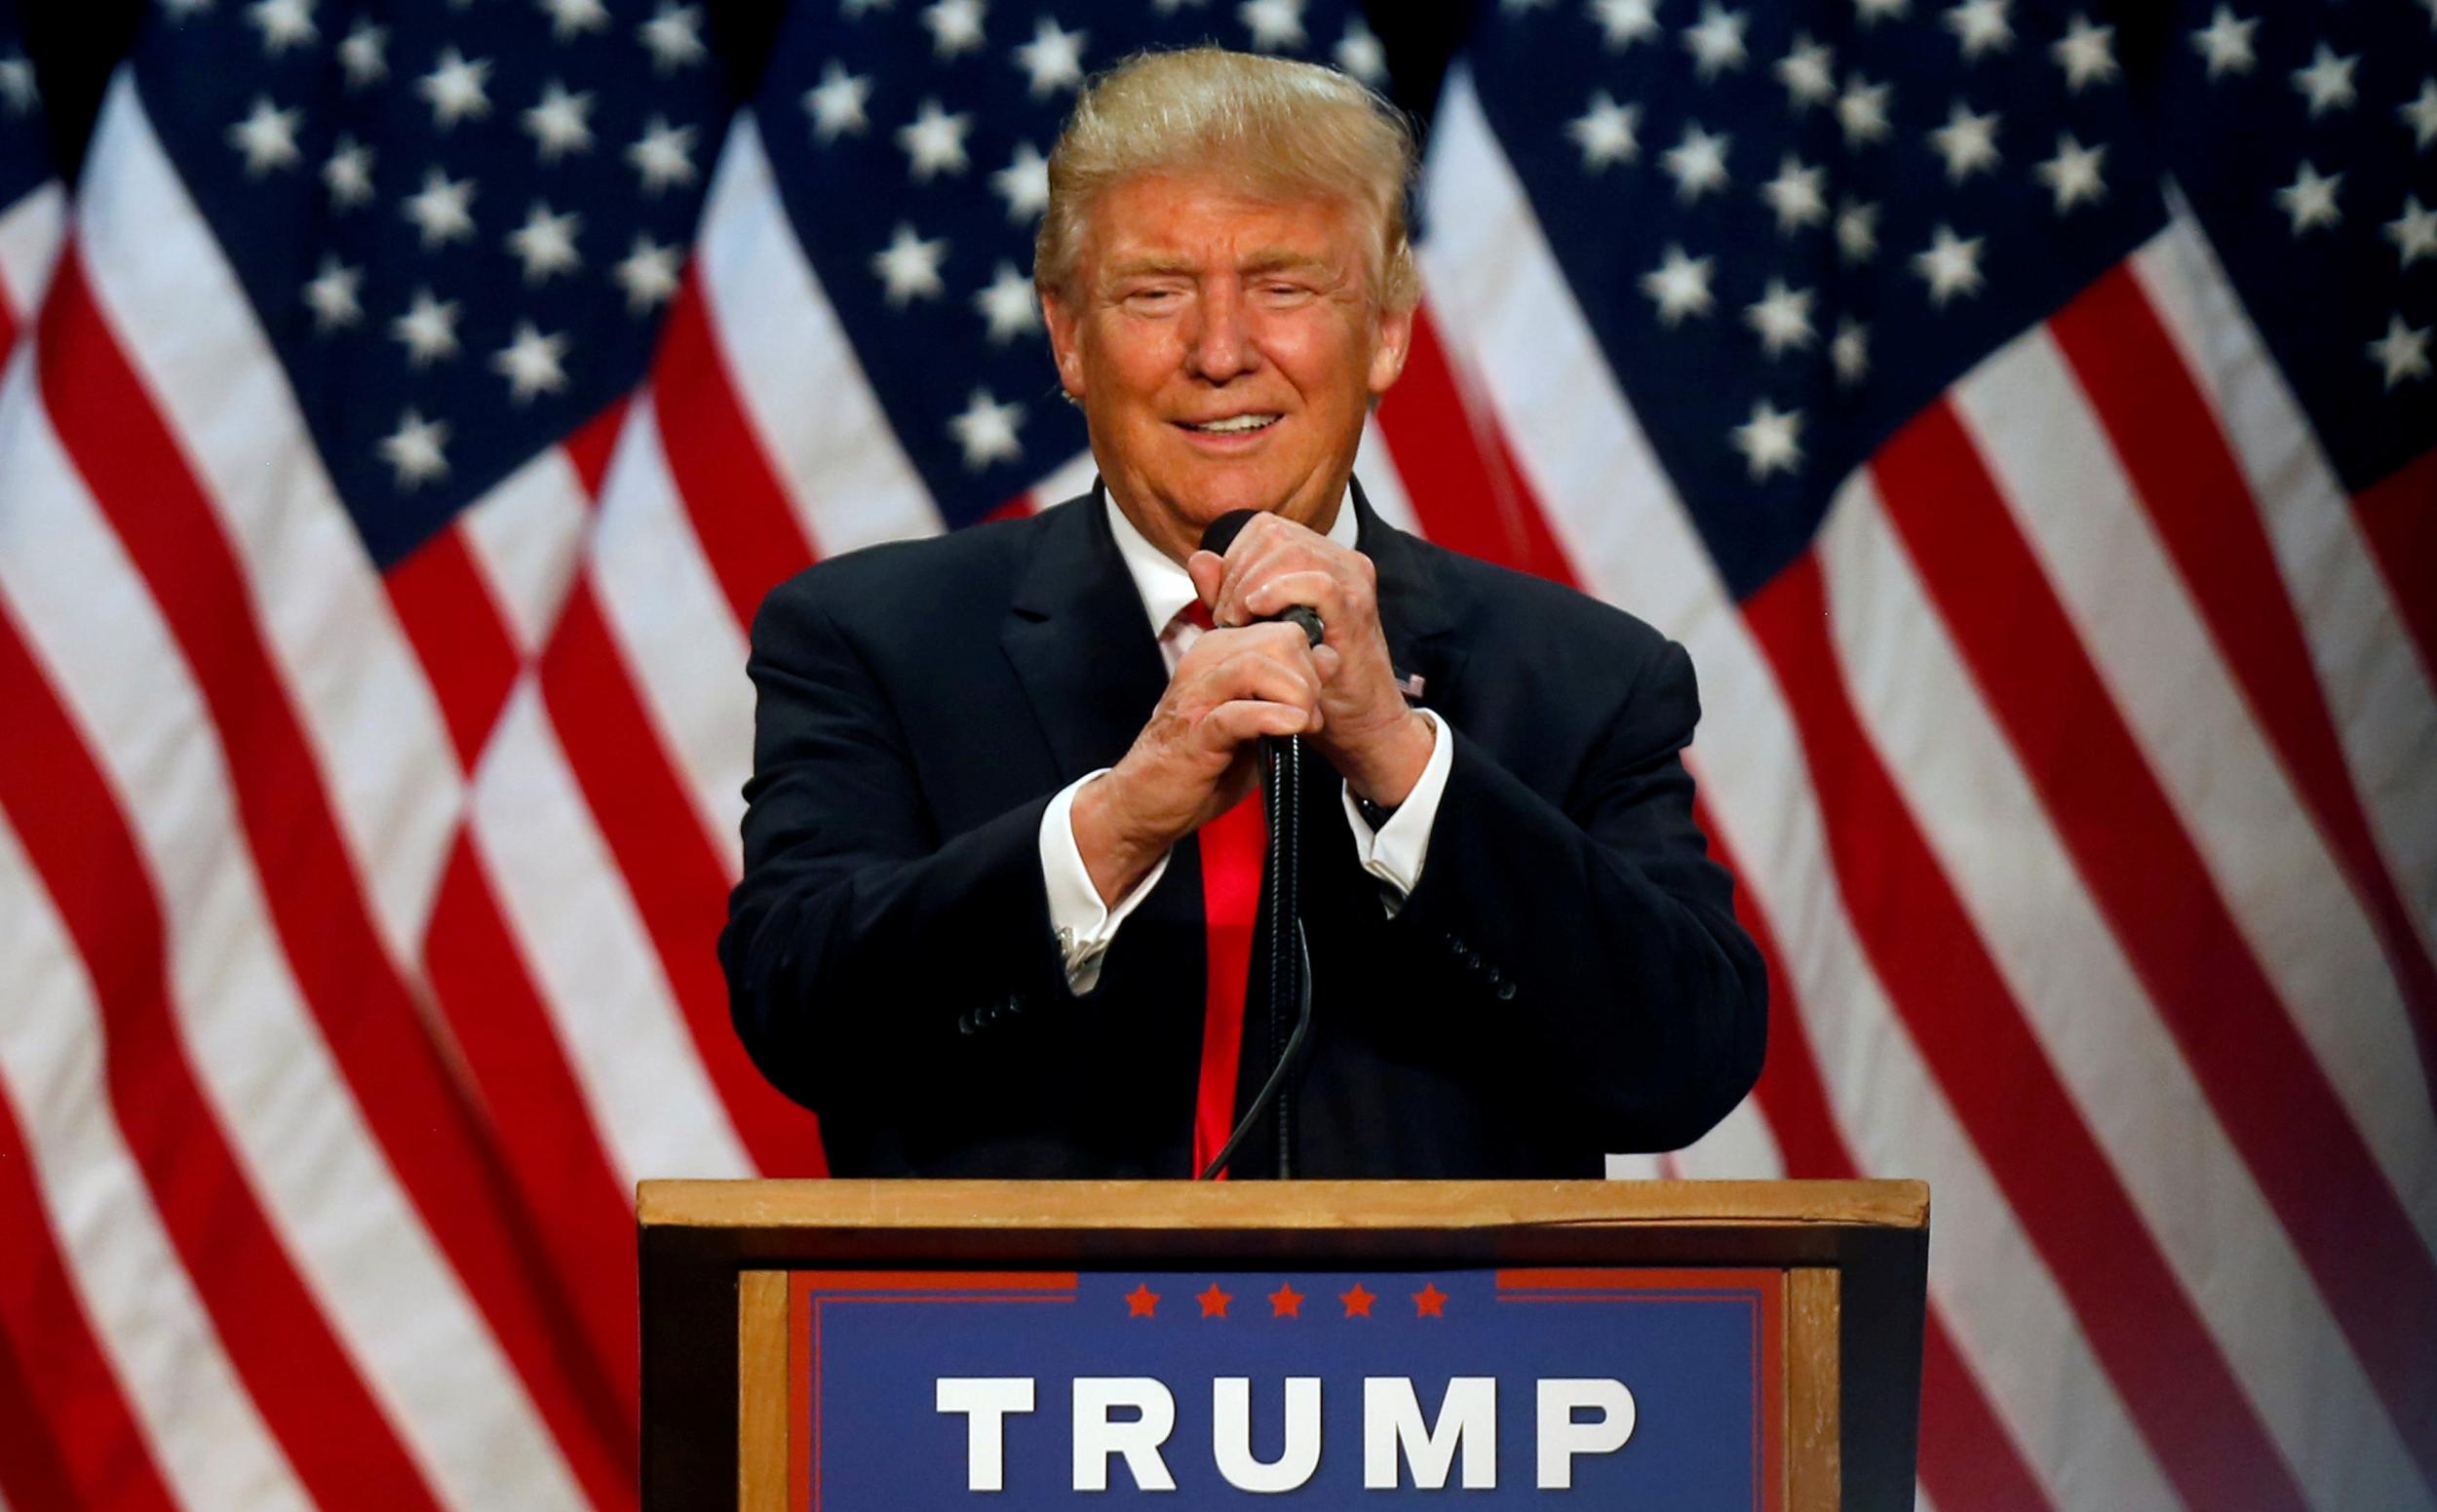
{"x": 997, "y": 911}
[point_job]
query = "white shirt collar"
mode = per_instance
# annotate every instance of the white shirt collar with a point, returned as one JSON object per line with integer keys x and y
{"x": 1164, "y": 587}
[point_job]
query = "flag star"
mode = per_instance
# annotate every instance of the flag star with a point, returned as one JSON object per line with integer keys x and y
{"x": 1679, "y": 285}
{"x": 1770, "y": 442}
{"x": 2226, "y": 43}
{"x": 1951, "y": 265}
{"x": 1862, "y": 111}
{"x": 284, "y": 23}
{"x": 561, "y": 122}
{"x": 364, "y": 54}
{"x": 935, "y": 141}
{"x": 673, "y": 37}
{"x": 1968, "y": 142}
{"x": 2403, "y": 351}
{"x": 533, "y": 363}
{"x": 428, "y": 329}
{"x": 442, "y": 209}
{"x": 455, "y": 89}
{"x": 1625, "y": 21}
{"x": 1024, "y": 183}
{"x": 1797, "y": 194}
{"x": 1359, "y": 53}
{"x": 1715, "y": 42}
{"x": 2311, "y": 199}
{"x": 267, "y": 137}
{"x": 1808, "y": 72}
{"x": 2327, "y": 81}
{"x": 1981, "y": 27}
{"x": 18, "y": 90}
{"x": 2072, "y": 175}
{"x": 2413, "y": 232}
{"x": 1857, "y": 230}
{"x": 1869, "y": 11}
{"x": 334, "y": 295}
{"x": 571, "y": 19}
{"x": 956, "y": 27}
{"x": 2421, "y": 114}
{"x": 986, "y": 430}
{"x": 649, "y": 274}
{"x": 910, "y": 266}
{"x": 1604, "y": 133}
{"x": 1007, "y": 305}
{"x": 1273, "y": 24}
{"x": 1697, "y": 163}
{"x": 663, "y": 156}
{"x": 416, "y": 449}
{"x": 1054, "y": 58}
{"x": 1848, "y": 350}
{"x": 837, "y": 103}
{"x": 1782, "y": 318}
{"x": 2086, "y": 53}
{"x": 546, "y": 242}
{"x": 347, "y": 174}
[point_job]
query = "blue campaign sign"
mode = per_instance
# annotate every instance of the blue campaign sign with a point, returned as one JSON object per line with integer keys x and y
{"x": 1034, "y": 1391}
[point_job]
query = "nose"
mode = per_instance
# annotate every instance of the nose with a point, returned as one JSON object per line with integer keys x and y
{"x": 1222, "y": 344}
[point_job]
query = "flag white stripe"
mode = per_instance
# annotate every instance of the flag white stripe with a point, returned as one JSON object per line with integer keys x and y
{"x": 1507, "y": 309}
{"x": 29, "y": 243}
{"x": 1982, "y": 817}
{"x": 524, "y": 536}
{"x": 671, "y": 620}
{"x": 794, "y": 374}
{"x": 388, "y": 1292}
{"x": 2379, "y": 691}
{"x": 592, "y": 959}
{"x": 2064, "y": 487}
{"x": 1066, "y": 481}
{"x": 183, "y": 322}
{"x": 211, "y": 1444}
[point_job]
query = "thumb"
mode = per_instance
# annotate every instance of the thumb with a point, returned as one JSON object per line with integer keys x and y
{"x": 1208, "y": 570}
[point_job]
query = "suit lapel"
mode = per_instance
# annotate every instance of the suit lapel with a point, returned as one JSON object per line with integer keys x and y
{"x": 1415, "y": 613}
{"x": 1075, "y": 635}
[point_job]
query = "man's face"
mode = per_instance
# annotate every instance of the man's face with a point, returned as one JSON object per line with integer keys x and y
{"x": 1225, "y": 350}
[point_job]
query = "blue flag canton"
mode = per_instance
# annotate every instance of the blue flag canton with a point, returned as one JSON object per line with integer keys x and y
{"x": 910, "y": 142}
{"x": 1791, "y": 227}
{"x": 24, "y": 148}
{"x": 458, "y": 224}
{"x": 2306, "y": 140}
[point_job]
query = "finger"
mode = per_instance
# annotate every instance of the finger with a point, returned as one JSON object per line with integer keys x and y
{"x": 1311, "y": 587}
{"x": 1236, "y": 724}
{"x": 1284, "y": 680}
{"x": 1208, "y": 570}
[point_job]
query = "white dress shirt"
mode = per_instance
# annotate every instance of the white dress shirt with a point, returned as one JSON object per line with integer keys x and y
{"x": 1393, "y": 853}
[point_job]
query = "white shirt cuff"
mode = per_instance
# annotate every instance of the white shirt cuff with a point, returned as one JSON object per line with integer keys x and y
{"x": 1395, "y": 851}
{"x": 1085, "y": 926}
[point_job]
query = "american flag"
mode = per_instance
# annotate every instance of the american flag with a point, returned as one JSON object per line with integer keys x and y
{"x": 2028, "y": 435}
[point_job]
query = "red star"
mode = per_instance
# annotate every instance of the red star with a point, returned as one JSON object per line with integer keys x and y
{"x": 1286, "y": 1302}
{"x": 1141, "y": 1301}
{"x": 1214, "y": 1301}
{"x": 1357, "y": 1301}
{"x": 1428, "y": 1300}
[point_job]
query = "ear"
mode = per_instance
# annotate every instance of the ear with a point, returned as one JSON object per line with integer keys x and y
{"x": 1061, "y": 317}
{"x": 1387, "y": 356}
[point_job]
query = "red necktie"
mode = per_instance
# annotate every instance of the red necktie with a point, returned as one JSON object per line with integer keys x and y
{"x": 1233, "y": 847}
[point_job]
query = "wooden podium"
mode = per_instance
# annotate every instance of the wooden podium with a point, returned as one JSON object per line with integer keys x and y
{"x": 1832, "y": 1272}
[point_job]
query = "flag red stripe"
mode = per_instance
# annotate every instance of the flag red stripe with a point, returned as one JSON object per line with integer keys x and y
{"x": 545, "y": 1132}
{"x": 2131, "y": 852}
{"x": 2175, "y": 1382}
{"x": 468, "y": 655}
{"x": 737, "y": 505}
{"x": 2185, "y": 476}
{"x": 1466, "y": 492}
{"x": 70, "y": 1439}
{"x": 1967, "y": 1458}
{"x": 269, "y": 1322}
{"x": 432, "y": 1137}
{"x": 589, "y": 447}
{"x": 674, "y": 877}
{"x": 2398, "y": 516}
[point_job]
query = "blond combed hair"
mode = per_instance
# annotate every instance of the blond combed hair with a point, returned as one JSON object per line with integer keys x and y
{"x": 1279, "y": 127}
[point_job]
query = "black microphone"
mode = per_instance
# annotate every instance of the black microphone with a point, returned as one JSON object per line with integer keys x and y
{"x": 1220, "y": 535}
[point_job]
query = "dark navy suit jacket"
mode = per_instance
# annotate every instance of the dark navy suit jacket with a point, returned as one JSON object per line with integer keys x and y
{"x": 1567, "y": 979}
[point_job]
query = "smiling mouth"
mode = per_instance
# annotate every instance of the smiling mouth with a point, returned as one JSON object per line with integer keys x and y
{"x": 1233, "y": 425}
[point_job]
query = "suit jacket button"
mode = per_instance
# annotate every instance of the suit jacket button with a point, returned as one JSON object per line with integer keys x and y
{"x": 1507, "y": 991}
{"x": 1014, "y": 1004}
{"x": 965, "y": 1024}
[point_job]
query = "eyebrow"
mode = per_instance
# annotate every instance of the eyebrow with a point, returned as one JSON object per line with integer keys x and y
{"x": 1267, "y": 259}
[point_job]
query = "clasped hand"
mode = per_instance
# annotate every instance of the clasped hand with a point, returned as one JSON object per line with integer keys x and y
{"x": 1196, "y": 756}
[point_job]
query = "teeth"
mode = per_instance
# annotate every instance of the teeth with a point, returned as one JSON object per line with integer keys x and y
{"x": 1241, "y": 422}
